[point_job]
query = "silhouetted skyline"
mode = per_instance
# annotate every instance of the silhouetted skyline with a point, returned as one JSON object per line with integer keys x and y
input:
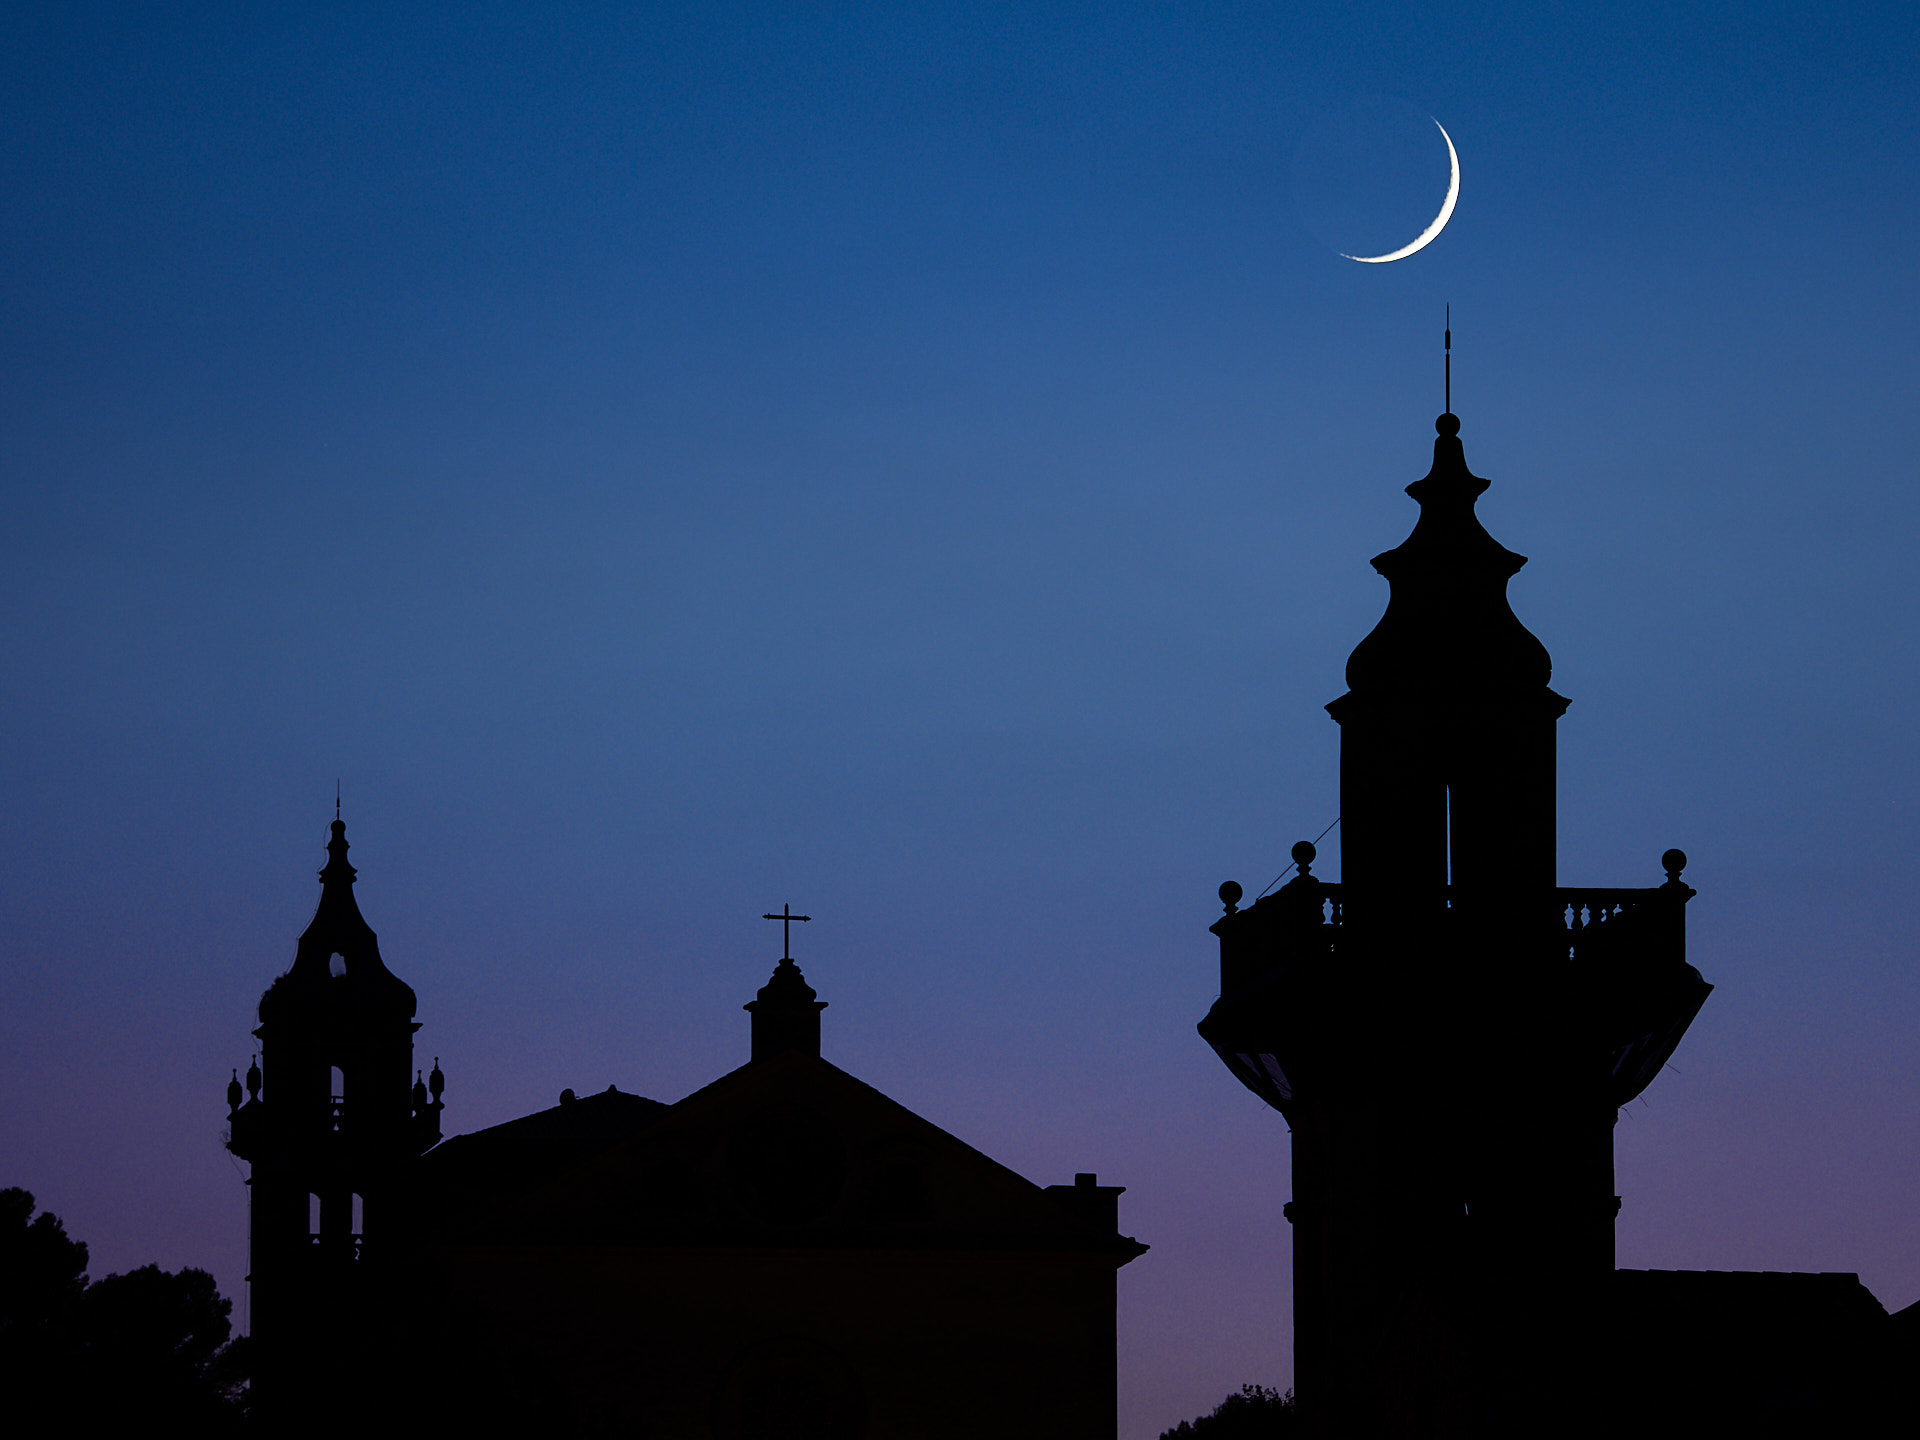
{"x": 923, "y": 468}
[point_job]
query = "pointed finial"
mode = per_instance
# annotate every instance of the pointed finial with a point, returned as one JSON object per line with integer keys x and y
{"x": 337, "y": 869}
{"x": 336, "y": 797}
{"x": 1449, "y": 360}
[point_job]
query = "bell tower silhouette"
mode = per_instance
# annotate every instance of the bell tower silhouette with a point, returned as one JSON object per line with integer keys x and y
{"x": 334, "y": 1110}
{"x": 1447, "y": 1031}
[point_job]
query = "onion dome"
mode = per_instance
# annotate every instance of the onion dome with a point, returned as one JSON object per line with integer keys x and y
{"x": 1449, "y": 626}
{"x": 337, "y": 966}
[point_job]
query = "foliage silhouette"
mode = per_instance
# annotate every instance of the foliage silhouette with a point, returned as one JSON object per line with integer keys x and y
{"x": 1255, "y": 1413}
{"x": 42, "y": 1272}
{"x": 145, "y": 1349}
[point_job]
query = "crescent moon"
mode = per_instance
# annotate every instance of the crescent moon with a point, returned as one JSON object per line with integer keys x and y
{"x": 1426, "y": 236}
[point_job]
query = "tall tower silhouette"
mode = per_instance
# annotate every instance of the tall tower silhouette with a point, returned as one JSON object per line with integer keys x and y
{"x": 1448, "y": 1032}
{"x": 342, "y": 1112}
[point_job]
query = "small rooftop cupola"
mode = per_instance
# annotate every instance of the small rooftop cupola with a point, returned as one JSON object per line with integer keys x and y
{"x": 786, "y": 1011}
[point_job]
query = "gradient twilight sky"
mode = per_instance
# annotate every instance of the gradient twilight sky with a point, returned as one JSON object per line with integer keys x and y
{"x": 921, "y": 463}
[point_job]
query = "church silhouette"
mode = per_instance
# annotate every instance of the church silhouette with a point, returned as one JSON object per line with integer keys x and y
{"x": 1448, "y": 1032}
{"x": 786, "y": 1252}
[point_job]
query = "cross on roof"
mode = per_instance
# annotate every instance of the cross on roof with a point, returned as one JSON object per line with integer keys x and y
{"x": 786, "y": 917}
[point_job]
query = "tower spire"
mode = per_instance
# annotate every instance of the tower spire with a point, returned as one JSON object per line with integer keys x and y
{"x": 1449, "y": 361}
{"x": 327, "y": 1145}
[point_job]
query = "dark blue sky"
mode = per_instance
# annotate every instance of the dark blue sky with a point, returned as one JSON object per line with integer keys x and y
{"x": 667, "y": 463}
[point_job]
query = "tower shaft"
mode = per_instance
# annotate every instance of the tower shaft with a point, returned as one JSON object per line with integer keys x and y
{"x": 333, "y": 1117}
{"x": 1449, "y": 1032}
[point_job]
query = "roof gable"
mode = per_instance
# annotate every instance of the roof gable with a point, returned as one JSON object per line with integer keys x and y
{"x": 791, "y": 1151}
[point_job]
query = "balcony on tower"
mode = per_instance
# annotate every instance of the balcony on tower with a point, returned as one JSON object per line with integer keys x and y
{"x": 1621, "y": 952}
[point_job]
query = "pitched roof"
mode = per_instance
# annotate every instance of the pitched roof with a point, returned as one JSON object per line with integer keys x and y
{"x": 792, "y": 1152}
{"x": 470, "y": 1174}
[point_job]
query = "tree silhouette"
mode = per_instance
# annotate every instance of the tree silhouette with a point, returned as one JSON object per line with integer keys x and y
{"x": 1255, "y": 1413}
{"x": 148, "y": 1349}
{"x": 42, "y": 1277}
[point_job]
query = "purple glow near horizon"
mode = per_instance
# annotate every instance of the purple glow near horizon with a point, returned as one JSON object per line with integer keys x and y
{"x": 923, "y": 469}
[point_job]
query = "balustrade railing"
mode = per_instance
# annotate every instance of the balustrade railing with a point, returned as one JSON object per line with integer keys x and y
{"x": 344, "y": 1247}
{"x": 1594, "y": 917}
{"x": 1624, "y": 949}
{"x": 1302, "y": 921}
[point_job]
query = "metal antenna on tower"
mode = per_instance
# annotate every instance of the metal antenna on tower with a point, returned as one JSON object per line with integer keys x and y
{"x": 1449, "y": 346}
